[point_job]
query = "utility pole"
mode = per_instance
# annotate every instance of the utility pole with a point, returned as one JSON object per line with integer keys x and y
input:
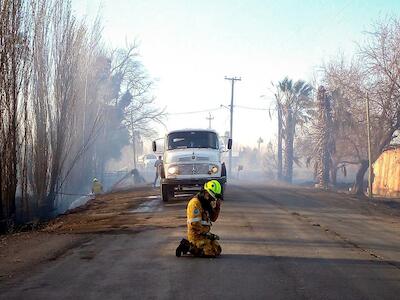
{"x": 369, "y": 150}
{"x": 259, "y": 142}
{"x": 209, "y": 118}
{"x": 232, "y": 79}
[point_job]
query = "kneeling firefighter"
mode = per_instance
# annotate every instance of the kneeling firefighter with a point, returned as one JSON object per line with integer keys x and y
{"x": 202, "y": 209}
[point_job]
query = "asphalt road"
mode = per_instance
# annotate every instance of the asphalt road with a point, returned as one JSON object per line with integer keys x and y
{"x": 277, "y": 243}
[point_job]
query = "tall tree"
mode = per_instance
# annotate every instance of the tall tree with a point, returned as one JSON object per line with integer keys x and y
{"x": 325, "y": 141}
{"x": 14, "y": 53}
{"x": 296, "y": 102}
{"x": 278, "y": 108}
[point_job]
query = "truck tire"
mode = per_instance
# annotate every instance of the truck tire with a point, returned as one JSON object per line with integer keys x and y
{"x": 167, "y": 192}
{"x": 164, "y": 192}
{"x": 222, "y": 191}
{"x": 223, "y": 170}
{"x": 162, "y": 171}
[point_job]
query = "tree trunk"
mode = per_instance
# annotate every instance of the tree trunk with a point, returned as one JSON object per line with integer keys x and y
{"x": 358, "y": 186}
{"x": 290, "y": 131}
{"x": 134, "y": 149}
{"x": 279, "y": 175}
{"x": 2, "y": 217}
{"x": 334, "y": 175}
{"x": 324, "y": 138}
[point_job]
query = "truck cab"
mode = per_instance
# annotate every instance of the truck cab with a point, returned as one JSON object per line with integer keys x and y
{"x": 191, "y": 158}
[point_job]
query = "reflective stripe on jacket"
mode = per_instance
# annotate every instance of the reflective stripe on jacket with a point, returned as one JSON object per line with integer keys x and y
{"x": 198, "y": 220}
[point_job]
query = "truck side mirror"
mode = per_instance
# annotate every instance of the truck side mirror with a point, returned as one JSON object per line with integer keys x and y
{"x": 230, "y": 144}
{"x": 154, "y": 146}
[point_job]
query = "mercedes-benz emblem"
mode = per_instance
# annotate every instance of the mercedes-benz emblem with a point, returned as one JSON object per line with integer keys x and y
{"x": 194, "y": 171}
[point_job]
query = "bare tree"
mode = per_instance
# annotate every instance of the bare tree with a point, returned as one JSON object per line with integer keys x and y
{"x": 40, "y": 101}
{"x": 63, "y": 98}
{"x": 57, "y": 95}
{"x": 133, "y": 96}
{"x": 13, "y": 68}
{"x": 374, "y": 73}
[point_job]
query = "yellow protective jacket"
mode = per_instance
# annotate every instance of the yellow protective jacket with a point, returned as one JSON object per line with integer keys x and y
{"x": 97, "y": 188}
{"x": 199, "y": 220}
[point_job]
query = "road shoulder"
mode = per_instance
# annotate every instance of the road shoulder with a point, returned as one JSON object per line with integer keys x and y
{"x": 21, "y": 252}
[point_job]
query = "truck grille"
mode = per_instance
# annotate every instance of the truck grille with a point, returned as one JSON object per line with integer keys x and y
{"x": 190, "y": 158}
{"x": 193, "y": 169}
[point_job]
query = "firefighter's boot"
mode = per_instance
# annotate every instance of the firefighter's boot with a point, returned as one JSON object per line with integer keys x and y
{"x": 183, "y": 248}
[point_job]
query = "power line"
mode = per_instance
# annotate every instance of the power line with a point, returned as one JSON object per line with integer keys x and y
{"x": 254, "y": 108}
{"x": 195, "y": 111}
{"x": 268, "y": 109}
{"x": 235, "y": 106}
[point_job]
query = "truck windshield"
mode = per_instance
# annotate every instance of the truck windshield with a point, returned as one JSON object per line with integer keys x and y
{"x": 192, "y": 139}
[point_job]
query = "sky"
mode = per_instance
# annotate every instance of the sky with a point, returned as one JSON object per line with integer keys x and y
{"x": 188, "y": 47}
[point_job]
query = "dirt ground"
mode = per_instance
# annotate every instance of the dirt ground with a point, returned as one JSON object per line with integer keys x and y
{"x": 107, "y": 213}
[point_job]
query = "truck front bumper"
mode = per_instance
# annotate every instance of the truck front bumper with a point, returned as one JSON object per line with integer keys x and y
{"x": 191, "y": 181}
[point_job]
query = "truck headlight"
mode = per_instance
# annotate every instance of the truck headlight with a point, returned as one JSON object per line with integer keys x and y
{"x": 213, "y": 169}
{"x": 172, "y": 170}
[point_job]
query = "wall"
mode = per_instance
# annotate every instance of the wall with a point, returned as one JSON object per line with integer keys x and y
{"x": 387, "y": 174}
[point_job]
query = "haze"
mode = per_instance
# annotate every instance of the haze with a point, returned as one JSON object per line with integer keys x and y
{"x": 190, "y": 46}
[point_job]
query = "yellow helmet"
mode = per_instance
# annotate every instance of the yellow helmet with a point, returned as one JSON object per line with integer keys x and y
{"x": 213, "y": 187}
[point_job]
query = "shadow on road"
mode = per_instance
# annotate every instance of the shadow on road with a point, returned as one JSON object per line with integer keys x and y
{"x": 301, "y": 243}
{"x": 262, "y": 259}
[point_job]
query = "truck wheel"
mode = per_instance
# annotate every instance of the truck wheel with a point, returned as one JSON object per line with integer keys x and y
{"x": 171, "y": 191}
{"x": 167, "y": 192}
{"x": 223, "y": 170}
{"x": 162, "y": 173}
{"x": 164, "y": 192}
{"x": 222, "y": 191}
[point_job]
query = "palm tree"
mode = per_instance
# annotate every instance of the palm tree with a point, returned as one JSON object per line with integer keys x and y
{"x": 295, "y": 103}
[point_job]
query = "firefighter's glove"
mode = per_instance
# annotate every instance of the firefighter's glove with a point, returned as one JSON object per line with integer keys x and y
{"x": 216, "y": 204}
{"x": 213, "y": 204}
{"x": 211, "y": 236}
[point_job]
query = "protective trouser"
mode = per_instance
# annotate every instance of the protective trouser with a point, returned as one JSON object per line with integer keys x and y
{"x": 211, "y": 249}
{"x": 207, "y": 247}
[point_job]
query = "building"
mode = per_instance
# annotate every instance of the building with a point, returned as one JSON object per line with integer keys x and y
{"x": 387, "y": 173}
